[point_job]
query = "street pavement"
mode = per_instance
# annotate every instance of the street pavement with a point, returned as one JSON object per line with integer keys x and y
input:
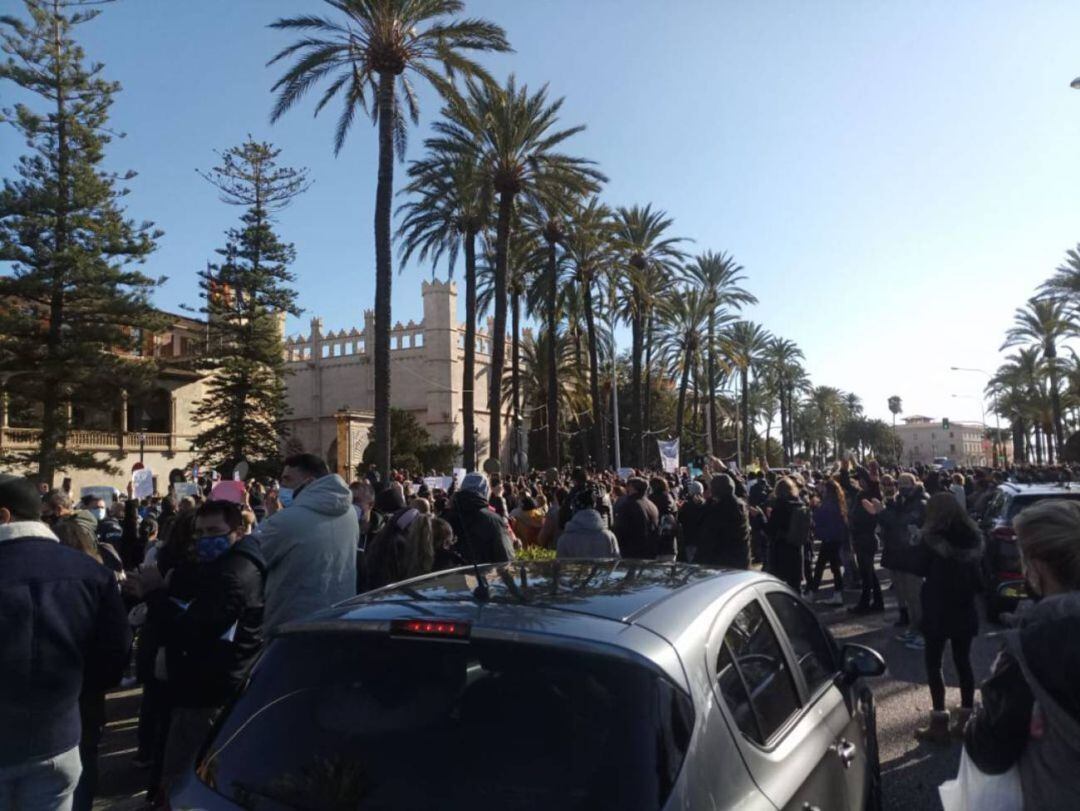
{"x": 911, "y": 771}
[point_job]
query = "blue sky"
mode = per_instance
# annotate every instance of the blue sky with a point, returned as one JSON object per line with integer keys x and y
{"x": 895, "y": 177}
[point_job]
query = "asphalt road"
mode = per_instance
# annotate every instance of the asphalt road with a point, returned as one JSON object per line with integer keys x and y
{"x": 911, "y": 771}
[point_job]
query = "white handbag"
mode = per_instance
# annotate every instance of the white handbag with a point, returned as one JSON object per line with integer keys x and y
{"x": 973, "y": 790}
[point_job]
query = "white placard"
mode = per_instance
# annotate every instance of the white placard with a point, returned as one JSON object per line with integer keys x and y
{"x": 186, "y": 489}
{"x": 459, "y": 476}
{"x": 625, "y": 473}
{"x": 669, "y": 454}
{"x": 142, "y": 483}
{"x": 434, "y": 483}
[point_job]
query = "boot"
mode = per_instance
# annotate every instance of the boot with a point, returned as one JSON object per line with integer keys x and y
{"x": 960, "y": 716}
{"x": 937, "y": 731}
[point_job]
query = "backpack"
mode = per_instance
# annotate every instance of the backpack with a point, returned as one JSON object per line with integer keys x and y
{"x": 798, "y": 533}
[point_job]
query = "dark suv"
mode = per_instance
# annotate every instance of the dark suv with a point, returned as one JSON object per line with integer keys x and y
{"x": 1002, "y": 559}
{"x": 585, "y": 684}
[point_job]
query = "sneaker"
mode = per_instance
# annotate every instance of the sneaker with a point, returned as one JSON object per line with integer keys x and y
{"x": 916, "y": 643}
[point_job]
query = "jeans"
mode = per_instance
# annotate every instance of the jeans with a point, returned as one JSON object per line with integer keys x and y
{"x": 829, "y": 553}
{"x": 92, "y": 714}
{"x": 961, "y": 653}
{"x": 871, "y": 588}
{"x": 40, "y": 785}
{"x": 908, "y": 592}
{"x": 188, "y": 728}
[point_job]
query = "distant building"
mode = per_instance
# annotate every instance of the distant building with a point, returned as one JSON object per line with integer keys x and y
{"x": 156, "y": 424}
{"x": 331, "y": 388}
{"x": 924, "y": 440}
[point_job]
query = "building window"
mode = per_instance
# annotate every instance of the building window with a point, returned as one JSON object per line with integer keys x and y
{"x": 950, "y": 434}
{"x": 952, "y": 448}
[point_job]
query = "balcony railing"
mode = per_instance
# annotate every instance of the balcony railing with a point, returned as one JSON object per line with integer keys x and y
{"x": 28, "y": 438}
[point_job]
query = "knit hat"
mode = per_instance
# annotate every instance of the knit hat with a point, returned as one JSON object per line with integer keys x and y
{"x": 694, "y": 489}
{"x": 19, "y": 497}
{"x": 476, "y": 483}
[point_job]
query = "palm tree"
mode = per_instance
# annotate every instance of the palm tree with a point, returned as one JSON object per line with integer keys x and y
{"x": 1065, "y": 283}
{"x": 588, "y": 251}
{"x": 366, "y": 56}
{"x": 746, "y": 344}
{"x": 895, "y": 408}
{"x": 682, "y": 318}
{"x": 446, "y": 211}
{"x": 646, "y": 252}
{"x": 783, "y": 356}
{"x": 1045, "y": 322}
{"x": 718, "y": 276}
{"x": 513, "y": 137}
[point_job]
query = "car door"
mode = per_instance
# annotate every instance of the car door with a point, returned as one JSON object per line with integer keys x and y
{"x": 785, "y": 742}
{"x": 817, "y": 661}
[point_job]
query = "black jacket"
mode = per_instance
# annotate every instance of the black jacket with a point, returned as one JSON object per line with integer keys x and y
{"x": 896, "y": 520}
{"x": 206, "y": 604}
{"x": 950, "y": 564}
{"x": 1035, "y": 665}
{"x": 637, "y": 524}
{"x": 726, "y": 534}
{"x": 62, "y": 626}
{"x": 483, "y": 536}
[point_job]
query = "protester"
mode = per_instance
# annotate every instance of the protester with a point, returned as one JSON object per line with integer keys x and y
{"x": 901, "y": 522}
{"x": 667, "y": 511}
{"x": 784, "y": 551}
{"x": 864, "y": 504}
{"x": 586, "y": 534}
{"x": 948, "y": 558}
{"x": 527, "y": 520}
{"x": 691, "y": 517}
{"x": 724, "y": 535}
{"x": 637, "y": 523}
{"x": 310, "y": 545}
{"x": 65, "y": 631}
{"x": 212, "y": 631}
{"x": 831, "y": 528}
{"x": 958, "y": 491}
{"x": 403, "y": 549}
{"x": 1030, "y": 711}
{"x": 483, "y": 535}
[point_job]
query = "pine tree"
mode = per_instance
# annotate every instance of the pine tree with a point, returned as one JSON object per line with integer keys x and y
{"x": 73, "y": 312}
{"x": 246, "y": 297}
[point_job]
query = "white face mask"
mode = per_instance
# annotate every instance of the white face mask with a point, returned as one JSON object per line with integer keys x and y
{"x": 98, "y": 513}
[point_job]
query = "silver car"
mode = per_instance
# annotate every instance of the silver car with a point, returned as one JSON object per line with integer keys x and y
{"x": 589, "y": 684}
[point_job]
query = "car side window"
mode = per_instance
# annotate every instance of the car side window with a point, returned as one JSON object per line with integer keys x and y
{"x": 734, "y": 693}
{"x": 757, "y": 656}
{"x": 814, "y": 651}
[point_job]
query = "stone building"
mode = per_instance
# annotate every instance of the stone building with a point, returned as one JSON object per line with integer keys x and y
{"x": 330, "y": 386}
{"x": 962, "y": 442}
{"x": 156, "y": 426}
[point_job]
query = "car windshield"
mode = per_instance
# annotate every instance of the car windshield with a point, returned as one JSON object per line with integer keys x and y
{"x": 1018, "y": 503}
{"x": 364, "y": 721}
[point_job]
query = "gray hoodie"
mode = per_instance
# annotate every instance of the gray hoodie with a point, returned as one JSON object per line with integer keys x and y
{"x": 586, "y": 536}
{"x": 310, "y": 551}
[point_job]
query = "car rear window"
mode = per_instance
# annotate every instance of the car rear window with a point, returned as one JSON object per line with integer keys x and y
{"x": 358, "y": 721}
{"x": 1018, "y": 503}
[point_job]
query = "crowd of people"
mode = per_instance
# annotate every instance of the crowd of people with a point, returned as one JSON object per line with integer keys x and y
{"x": 199, "y": 583}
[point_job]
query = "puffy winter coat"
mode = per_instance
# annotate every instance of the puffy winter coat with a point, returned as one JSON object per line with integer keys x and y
{"x": 1043, "y": 738}
{"x": 950, "y": 565}
{"x": 637, "y": 524}
{"x": 725, "y": 533}
{"x": 897, "y": 521}
{"x": 586, "y": 536}
{"x": 310, "y": 552}
{"x": 483, "y": 536}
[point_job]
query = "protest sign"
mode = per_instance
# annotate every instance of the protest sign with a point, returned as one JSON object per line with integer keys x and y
{"x": 142, "y": 483}
{"x": 186, "y": 489}
{"x": 228, "y": 490}
{"x": 109, "y": 494}
{"x": 669, "y": 454}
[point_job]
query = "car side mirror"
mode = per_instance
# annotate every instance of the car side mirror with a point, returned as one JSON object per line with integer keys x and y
{"x": 859, "y": 661}
{"x": 1013, "y": 590}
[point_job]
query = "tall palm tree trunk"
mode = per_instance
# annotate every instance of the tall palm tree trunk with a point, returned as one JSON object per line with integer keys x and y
{"x": 552, "y": 358}
{"x": 498, "y": 340}
{"x": 468, "y": 394}
{"x": 783, "y": 426}
{"x": 637, "y": 341}
{"x": 1055, "y": 395}
{"x": 647, "y": 405}
{"x": 744, "y": 374}
{"x": 384, "y": 193}
{"x": 515, "y": 369}
{"x": 682, "y": 396}
{"x": 594, "y": 377}
{"x": 712, "y": 434}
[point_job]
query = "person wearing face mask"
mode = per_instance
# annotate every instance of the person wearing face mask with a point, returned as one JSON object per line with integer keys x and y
{"x": 213, "y": 631}
{"x": 901, "y": 522}
{"x": 1030, "y": 711}
{"x": 309, "y": 545}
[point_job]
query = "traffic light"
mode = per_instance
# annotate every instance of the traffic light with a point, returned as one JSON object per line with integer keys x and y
{"x": 944, "y": 423}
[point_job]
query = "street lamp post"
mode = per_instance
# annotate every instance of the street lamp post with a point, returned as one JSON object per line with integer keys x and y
{"x": 614, "y": 382}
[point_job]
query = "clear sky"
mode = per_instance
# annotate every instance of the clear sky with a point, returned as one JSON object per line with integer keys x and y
{"x": 895, "y": 177}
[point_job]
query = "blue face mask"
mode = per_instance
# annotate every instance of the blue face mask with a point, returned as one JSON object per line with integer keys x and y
{"x": 99, "y": 513}
{"x": 212, "y": 548}
{"x": 285, "y": 496}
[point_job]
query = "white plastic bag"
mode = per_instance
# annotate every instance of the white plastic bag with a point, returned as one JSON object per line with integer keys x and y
{"x": 972, "y": 790}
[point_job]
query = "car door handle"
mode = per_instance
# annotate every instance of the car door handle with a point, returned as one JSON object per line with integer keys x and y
{"x": 845, "y": 750}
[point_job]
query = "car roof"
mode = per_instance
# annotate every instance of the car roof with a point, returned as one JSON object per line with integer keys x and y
{"x": 1040, "y": 488}
{"x": 619, "y": 590}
